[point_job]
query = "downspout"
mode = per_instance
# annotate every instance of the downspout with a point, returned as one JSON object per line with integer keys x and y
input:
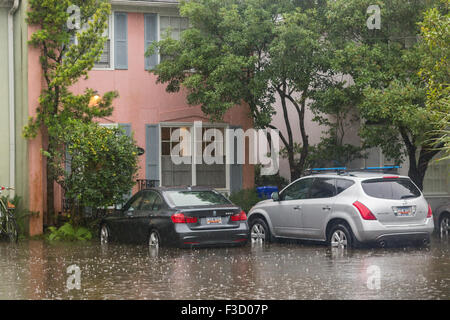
{"x": 12, "y": 124}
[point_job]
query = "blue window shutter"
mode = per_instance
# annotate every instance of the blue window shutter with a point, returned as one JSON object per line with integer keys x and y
{"x": 120, "y": 40}
{"x": 151, "y": 35}
{"x": 152, "y": 151}
{"x": 235, "y": 168}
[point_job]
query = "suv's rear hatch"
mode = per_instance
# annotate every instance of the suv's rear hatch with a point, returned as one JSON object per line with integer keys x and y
{"x": 395, "y": 200}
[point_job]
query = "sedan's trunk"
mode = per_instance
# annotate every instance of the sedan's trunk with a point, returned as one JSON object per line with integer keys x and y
{"x": 212, "y": 217}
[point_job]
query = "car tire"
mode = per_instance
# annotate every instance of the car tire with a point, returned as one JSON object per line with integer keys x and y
{"x": 154, "y": 239}
{"x": 340, "y": 236}
{"x": 444, "y": 223}
{"x": 259, "y": 231}
{"x": 105, "y": 234}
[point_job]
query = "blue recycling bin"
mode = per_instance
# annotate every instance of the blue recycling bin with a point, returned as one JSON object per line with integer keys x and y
{"x": 266, "y": 191}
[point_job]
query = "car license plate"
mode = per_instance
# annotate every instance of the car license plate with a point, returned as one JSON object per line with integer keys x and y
{"x": 403, "y": 211}
{"x": 214, "y": 220}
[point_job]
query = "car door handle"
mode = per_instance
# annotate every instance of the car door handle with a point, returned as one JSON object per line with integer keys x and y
{"x": 297, "y": 208}
{"x": 326, "y": 208}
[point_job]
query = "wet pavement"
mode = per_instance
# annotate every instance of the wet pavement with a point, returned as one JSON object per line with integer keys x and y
{"x": 37, "y": 269}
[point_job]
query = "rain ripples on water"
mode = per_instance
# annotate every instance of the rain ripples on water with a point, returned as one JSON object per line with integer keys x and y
{"x": 37, "y": 269}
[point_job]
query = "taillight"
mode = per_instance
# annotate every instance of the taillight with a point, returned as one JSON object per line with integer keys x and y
{"x": 430, "y": 212}
{"x": 390, "y": 177}
{"x": 241, "y": 216}
{"x": 179, "y": 217}
{"x": 366, "y": 214}
{"x": 191, "y": 219}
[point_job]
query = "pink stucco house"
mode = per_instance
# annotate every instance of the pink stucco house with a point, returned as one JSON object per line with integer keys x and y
{"x": 143, "y": 108}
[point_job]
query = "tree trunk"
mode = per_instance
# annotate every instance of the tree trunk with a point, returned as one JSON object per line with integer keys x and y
{"x": 418, "y": 168}
{"x": 417, "y": 172}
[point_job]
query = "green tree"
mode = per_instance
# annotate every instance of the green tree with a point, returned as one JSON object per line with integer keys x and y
{"x": 63, "y": 64}
{"x": 103, "y": 165}
{"x": 384, "y": 66}
{"x": 250, "y": 53}
{"x": 335, "y": 107}
{"x": 435, "y": 69}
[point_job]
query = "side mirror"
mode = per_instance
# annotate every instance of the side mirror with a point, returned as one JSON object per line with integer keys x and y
{"x": 275, "y": 196}
{"x": 129, "y": 212}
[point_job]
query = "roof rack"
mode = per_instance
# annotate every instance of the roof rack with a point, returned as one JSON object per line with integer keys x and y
{"x": 321, "y": 170}
{"x": 344, "y": 170}
{"x": 385, "y": 168}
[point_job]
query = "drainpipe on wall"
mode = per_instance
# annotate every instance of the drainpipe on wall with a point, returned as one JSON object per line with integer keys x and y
{"x": 12, "y": 124}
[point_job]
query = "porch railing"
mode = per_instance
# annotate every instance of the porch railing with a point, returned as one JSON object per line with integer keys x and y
{"x": 146, "y": 183}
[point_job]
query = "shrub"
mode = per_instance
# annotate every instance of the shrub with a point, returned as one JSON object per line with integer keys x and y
{"x": 103, "y": 166}
{"x": 246, "y": 199}
{"x": 68, "y": 233}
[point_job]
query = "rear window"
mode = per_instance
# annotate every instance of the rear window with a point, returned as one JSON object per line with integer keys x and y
{"x": 195, "y": 198}
{"x": 394, "y": 189}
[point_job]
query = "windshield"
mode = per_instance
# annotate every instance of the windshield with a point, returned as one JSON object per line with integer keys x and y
{"x": 394, "y": 189}
{"x": 196, "y": 198}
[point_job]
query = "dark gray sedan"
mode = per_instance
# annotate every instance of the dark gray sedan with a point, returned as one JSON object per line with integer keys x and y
{"x": 181, "y": 217}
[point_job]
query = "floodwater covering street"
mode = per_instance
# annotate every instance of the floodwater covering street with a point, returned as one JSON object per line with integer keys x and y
{"x": 37, "y": 269}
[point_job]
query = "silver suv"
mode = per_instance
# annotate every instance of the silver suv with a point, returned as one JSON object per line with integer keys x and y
{"x": 345, "y": 209}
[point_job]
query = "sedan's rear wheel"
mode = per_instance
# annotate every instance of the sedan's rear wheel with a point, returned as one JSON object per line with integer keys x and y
{"x": 154, "y": 240}
{"x": 104, "y": 234}
{"x": 444, "y": 225}
{"x": 340, "y": 237}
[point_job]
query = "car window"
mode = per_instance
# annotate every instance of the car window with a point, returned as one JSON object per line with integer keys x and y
{"x": 343, "y": 184}
{"x": 147, "y": 200}
{"x": 157, "y": 205}
{"x": 323, "y": 188}
{"x": 394, "y": 189}
{"x": 297, "y": 191}
{"x": 134, "y": 203}
{"x": 196, "y": 198}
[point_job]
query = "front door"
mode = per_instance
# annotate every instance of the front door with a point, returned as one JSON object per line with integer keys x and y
{"x": 123, "y": 228}
{"x": 139, "y": 224}
{"x": 286, "y": 214}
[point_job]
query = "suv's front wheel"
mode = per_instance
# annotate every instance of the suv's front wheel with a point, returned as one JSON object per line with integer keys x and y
{"x": 259, "y": 231}
{"x": 340, "y": 236}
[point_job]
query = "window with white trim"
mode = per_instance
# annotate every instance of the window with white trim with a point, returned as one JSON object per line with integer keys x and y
{"x": 174, "y": 25}
{"x": 202, "y": 174}
{"x": 106, "y": 58}
{"x": 104, "y": 62}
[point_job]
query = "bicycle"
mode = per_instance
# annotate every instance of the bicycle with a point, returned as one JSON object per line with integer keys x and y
{"x": 8, "y": 224}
